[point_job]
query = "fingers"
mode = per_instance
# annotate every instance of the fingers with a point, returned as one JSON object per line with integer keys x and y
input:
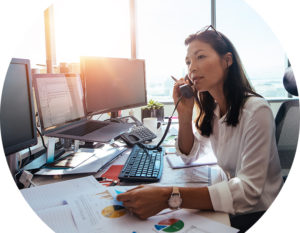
{"x": 176, "y": 91}
{"x": 127, "y": 196}
{"x": 188, "y": 80}
{"x": 180, "y": 82}
{"x": 129, "y": 204}
{"x": 123, "y": 197}
{"x": 138, "y": 187}
{"x": 142, "y": 201}
{"x": 131, "y": 211}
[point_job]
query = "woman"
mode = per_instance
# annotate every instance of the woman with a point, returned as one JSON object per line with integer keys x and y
{"x": 239, "y": 125}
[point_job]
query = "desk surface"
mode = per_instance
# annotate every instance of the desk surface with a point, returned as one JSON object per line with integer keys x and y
{"x": 170, "y": 177}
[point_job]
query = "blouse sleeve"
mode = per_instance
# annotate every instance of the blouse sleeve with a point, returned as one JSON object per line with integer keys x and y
{"x": 243, "y": 192}
{"x": 198, "y": 148}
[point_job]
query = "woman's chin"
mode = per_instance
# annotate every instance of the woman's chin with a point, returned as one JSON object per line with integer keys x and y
{"x": 200, "y": 89}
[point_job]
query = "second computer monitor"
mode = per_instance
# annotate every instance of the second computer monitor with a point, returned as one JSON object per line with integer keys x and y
{"x": 112, "y": 84}
{"x": 18, "y": 129}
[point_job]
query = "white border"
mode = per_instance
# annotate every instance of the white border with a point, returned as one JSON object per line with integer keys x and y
{"x": 283, "y": 17}
{"x": 16, "y": 16}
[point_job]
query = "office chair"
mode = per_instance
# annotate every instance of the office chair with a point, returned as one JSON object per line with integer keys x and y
{"x": 287, "y": 131}
{"x": 287, "y": 125}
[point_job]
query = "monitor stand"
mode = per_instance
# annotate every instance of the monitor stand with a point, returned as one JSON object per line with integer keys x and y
{"x": 43, "y": 156}
{"x": 13, "y": 163}
{"x": 115, "y": 114}
{"x": 92, "y": 145}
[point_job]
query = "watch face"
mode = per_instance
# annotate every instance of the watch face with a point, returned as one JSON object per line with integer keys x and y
{"x": 175, "y": 201}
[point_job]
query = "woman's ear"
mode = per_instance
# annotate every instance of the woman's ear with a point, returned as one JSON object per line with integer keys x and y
{"x": 228, "y": 59}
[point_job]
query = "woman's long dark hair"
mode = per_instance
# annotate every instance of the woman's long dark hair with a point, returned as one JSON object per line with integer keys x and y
{"x": 236, "y": 86}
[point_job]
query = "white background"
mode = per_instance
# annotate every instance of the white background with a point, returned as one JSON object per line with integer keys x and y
{"x": 16, "y": 15}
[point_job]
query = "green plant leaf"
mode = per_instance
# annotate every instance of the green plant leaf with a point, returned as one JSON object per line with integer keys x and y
{"x": 152, "y": 104}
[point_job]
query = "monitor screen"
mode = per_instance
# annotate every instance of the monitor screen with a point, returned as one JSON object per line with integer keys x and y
{"x": 112, "y": 84}
{"x": 59, "y": 99}
{"x": 18, "y": 128}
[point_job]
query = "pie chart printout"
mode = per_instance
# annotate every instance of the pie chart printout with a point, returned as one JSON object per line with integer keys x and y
{"x": 114, "y": 211}
{"x": 169, "y": 225}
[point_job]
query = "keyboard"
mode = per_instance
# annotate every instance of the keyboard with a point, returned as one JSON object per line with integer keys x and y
{"x": 143, "y": 165}
{"x": 85, "y": 128}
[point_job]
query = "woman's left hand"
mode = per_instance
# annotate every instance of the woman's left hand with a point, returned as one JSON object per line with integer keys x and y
{"x": 146, "y": 201}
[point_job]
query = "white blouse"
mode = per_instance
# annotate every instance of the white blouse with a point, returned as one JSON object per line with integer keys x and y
{"x": 247, "y": 153}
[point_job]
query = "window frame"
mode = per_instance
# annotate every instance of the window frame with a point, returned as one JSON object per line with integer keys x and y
{"x": 133, "y": 44}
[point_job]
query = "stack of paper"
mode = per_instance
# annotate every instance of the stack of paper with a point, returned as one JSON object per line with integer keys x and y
{"x": 83, "y": 205}
{"x": 49, "y": 201}
{"x": 95, "y": 160}
{"x": 205, "y": 159}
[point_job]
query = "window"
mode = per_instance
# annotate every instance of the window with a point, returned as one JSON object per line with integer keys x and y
{"x": 32, "y": 45}
{"x": 91, "y": 28}
{"x": 102, "y": 28}
{"x": 162, "y": 27}
{"x": 260, "y": 51}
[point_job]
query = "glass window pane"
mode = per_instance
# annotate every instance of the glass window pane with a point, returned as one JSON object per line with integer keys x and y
{"x": 32, "y": 45}
{"x": 91, "y": 28}
{"x": 260, "y": 51}
{"x": 162, "y": 27}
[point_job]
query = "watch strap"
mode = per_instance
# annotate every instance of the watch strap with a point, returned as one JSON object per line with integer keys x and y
{"x": 175, "y": 190}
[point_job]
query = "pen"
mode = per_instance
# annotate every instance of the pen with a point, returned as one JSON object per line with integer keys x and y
{"x": 104, "y": 179}
{"x": 174, "y": 79}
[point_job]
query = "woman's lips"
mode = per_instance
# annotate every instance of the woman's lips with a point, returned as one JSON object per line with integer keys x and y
{"x": 197, "y": 79}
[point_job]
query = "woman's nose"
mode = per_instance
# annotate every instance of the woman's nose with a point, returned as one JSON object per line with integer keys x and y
{"x": 192, "y": 68}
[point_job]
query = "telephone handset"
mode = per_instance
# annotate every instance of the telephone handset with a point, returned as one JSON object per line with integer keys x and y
{"x": 138, "y": 134}
{"x": 186, "y": 89}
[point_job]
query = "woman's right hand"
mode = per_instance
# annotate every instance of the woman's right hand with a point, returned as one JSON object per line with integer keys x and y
{"x": 185, "y": 107}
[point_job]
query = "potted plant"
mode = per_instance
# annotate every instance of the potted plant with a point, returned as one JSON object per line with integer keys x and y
{"x": 153, "y": 109}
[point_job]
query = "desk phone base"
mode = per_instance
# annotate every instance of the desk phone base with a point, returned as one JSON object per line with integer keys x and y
{"x": 139, "y": 133}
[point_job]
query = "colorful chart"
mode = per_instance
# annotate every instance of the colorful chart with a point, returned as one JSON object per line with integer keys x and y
{"x": 169, "y": 225}
{"x": 105, "y": 195}
{"x": 114, "y": 211}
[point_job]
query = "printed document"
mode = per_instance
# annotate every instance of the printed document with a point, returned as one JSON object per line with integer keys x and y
{"x": 84, "y": 206}
{"x": 100, "y": 213}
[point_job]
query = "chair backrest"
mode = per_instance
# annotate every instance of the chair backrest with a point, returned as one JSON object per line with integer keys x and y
{"x": 289, "y": 82}
{"x": 287, "y": 123}
{"x": 287, "y": 131}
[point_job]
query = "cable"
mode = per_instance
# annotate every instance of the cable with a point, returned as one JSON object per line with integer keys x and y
{"x": 100, "y": 115}
{"x": 19, "y": 162}
{"x": 157, "y": 147}
{"x": 32, "y": 184}
{"x": 30, "y": 153}
{"x": 29, "y": 158}
{"x": 41, "y": 138}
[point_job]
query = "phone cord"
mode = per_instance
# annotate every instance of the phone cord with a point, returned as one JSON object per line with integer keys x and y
{"x": 157, "y": 147}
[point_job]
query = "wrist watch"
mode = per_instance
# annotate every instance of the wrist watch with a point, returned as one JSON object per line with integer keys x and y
{"x": 175, "y": 200}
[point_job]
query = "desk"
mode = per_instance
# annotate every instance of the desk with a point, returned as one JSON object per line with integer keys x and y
{"x": 168, "y": 179}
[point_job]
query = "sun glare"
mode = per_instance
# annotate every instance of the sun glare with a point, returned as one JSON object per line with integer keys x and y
{"x": 90, "y": 27}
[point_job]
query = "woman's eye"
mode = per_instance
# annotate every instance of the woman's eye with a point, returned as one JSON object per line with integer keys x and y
{"x": 200, "y": 56}
{"x": 187, "y": 63}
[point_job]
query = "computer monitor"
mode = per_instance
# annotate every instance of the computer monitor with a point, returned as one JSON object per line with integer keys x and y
{"x": 17, "y": 115}
{"x": 112, "y": 84}
{"x": 59, "y": 100}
